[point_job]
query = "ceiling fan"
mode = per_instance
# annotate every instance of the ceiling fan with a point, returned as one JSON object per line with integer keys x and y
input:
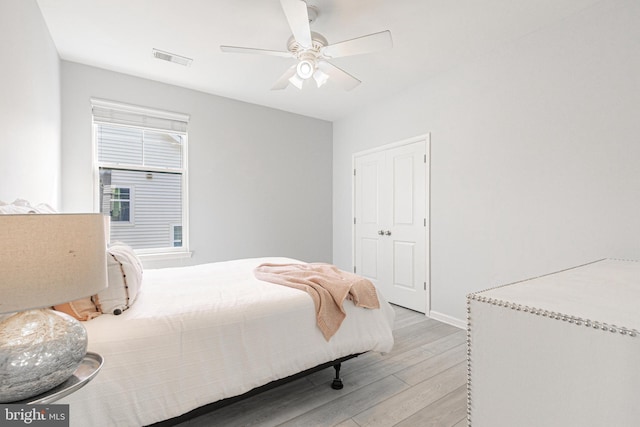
{"x": 313, "y": 52}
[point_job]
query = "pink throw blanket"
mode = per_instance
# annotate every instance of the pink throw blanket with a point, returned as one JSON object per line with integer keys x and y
{"x": 327, "y": 285}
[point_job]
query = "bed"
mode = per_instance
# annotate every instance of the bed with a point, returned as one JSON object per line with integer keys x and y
{"x": 200, "y": 334}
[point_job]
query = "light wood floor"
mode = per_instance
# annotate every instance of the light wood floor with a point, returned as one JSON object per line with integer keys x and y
{"x": 421, "y": 382}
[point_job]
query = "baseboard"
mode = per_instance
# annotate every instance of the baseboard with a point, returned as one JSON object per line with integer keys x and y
{"x": 450, "y": 320}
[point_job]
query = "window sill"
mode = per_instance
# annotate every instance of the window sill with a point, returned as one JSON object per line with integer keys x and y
{"x": 163, "y": 256}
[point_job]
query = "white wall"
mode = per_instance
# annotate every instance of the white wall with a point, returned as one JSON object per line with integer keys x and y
{"x": 259, "y": 178}
{"x": 29, "y": 106}
{"x": 535, "y": 157}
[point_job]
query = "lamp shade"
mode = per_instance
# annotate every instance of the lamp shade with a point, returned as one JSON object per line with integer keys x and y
{"x": 49, "y": 259}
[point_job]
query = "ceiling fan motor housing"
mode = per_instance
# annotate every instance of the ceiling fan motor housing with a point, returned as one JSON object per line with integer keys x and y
{"x": 318, "y": 41}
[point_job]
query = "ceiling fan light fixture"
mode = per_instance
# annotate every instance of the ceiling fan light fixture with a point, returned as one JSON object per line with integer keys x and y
{"x": 296, "y": 81}
{"x": 305, "y": 69}
{"x": 320, "y": 77}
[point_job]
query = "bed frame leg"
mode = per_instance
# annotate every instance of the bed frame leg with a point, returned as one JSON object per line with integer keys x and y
{"x": 337, "y": 381}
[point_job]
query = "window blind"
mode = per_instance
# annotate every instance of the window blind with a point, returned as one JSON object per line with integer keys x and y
{"x": 132, "y": 115}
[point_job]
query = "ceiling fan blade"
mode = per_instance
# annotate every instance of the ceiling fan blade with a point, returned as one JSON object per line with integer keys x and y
{"x": 237, "y": 49}
{"x": 338, "y": 76}
{"x": 283, "y": 81}
{"x": 360, "y": 45}
{"x": 298, "y": 18}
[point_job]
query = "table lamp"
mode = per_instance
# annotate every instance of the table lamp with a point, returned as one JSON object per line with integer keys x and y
{"x": 45, "y": 260}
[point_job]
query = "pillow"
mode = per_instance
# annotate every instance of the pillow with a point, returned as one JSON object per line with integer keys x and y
{"x": 124, "y": 271}
{"x": 82, "y": 309}
{"x": 21, "y": 206}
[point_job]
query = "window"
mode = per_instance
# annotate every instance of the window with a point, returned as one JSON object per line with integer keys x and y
{"x": 141, "y": 176}
{"x": 120, "y": 205}
{"x": 177, "y": 235}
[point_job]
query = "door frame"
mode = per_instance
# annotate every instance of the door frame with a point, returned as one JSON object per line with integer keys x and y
{"x": 427, "y": 139}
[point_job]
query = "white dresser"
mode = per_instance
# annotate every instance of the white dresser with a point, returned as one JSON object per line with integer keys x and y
{"x": 558, "y": 350}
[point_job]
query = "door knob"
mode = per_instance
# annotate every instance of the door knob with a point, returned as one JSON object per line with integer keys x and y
{"x": 381, "y": 232}
{"x": 387, "y": 233}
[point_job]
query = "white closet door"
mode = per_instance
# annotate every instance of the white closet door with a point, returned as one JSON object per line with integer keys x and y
{"x": 369, "y": 215}
{"x": 391, "y": 222}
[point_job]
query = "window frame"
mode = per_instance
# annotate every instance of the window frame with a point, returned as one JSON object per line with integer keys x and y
{"x": 152, "y": 254}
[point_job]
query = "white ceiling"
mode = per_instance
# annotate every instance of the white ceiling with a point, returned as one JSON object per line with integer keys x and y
{"x": 430, "y": 36}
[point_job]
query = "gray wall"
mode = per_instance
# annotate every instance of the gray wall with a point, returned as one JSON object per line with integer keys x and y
{"x": 29, "y": 106}
{"x": 534, "y": 153}
{"x": 535, "y": 157}
{"x": 259, "y": 179}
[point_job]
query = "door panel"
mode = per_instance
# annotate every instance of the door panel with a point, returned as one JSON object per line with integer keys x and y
{"x": 369, "y": 259}
{"x": 403, "y": 176}
{"x": 403, "y": 263}
{"x": 370, "y": 190}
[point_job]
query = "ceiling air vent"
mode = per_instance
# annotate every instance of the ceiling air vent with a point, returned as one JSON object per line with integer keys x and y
{"x": 172, "y": 57}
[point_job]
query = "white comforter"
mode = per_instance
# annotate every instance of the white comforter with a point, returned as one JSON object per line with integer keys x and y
{"x": 203, "y": 333}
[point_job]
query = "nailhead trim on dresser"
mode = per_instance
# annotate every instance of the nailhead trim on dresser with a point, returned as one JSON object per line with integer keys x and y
{"x": 578, "y": 321}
